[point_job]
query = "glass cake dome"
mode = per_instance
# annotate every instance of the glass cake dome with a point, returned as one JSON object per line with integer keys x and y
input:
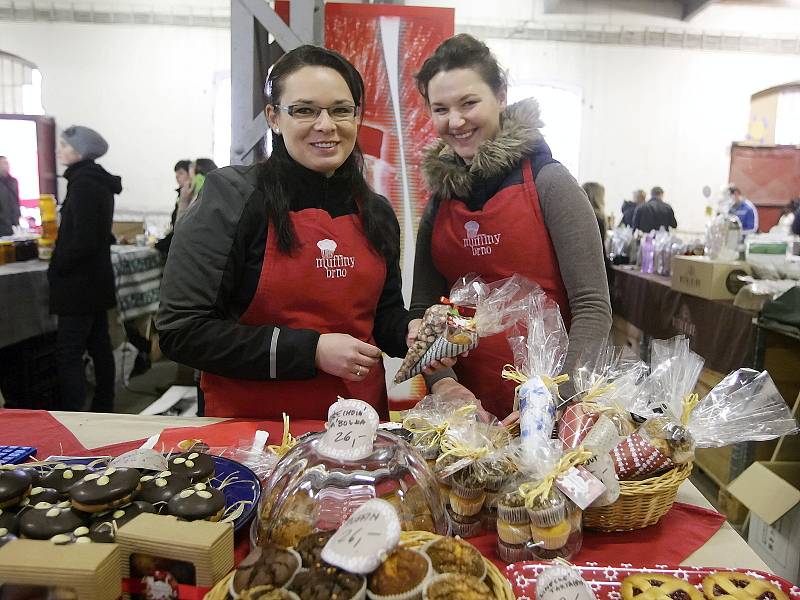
{"x": 310, "y": 492}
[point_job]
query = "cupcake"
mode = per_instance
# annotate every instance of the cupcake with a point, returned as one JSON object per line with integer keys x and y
{"x": 512, "y": 553}
{"x": 461, "y": 587}
{"x": 401, "y": 576}
{"x": 449, "y": 555}
{"x": 466, "y": 494}
{"x": 310, "y": 547}
{"x": 511, "y": 508}
{"x": 464, "y": 526}
{"x": 551, "y": 538}
{"x": 549, "y": 510}
{"x": 269, "y": 565}
{"x": 328, "y": 582}
{"x": 513, "y": 533}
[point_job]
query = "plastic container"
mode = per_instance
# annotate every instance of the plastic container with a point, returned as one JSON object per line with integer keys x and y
{"x": 309, "y": 492}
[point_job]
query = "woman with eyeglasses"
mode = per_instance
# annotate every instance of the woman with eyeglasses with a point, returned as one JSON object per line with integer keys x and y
{"x": 283, "y": 280}
{"x": 500, "y": 205}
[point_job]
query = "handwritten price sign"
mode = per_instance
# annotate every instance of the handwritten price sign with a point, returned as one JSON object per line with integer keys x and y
{"x": 361, "y": 543}
{"x": 350, "y": 430}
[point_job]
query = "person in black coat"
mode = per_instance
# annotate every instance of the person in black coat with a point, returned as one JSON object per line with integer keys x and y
{"x": 654, "y": 214}
{"x": 80, "y": 274}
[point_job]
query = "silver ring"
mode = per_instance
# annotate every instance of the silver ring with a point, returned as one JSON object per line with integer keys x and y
{"x": 358, "y": 371}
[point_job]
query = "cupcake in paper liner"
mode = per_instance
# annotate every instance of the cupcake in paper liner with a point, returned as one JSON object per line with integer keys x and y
{"x": 448, "y": 586}
{"x": 511, "y": 508}
{"x": 450, "y": 555}
{"x": 551, "y": 538}
{"x": 402, "y": 576}
{"x": 636, "y": 457}
{"x": 513, "y": 533}
{"x": 463, "y": 525}
{"x": 547, "y": 511}
{"x": 512, "y": 553}
{"x": 466, "y": 493}
{"x": 265, "y": 565}
{"x": 574, "y": 424}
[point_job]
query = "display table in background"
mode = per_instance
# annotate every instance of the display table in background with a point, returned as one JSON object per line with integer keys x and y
{"x": 24, "y": 310}
{"x": 725, "y": 549}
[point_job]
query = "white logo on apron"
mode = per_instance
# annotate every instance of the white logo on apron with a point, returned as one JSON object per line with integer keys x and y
{"x": 480, "y": 243}
{"x": 335, "y": 265}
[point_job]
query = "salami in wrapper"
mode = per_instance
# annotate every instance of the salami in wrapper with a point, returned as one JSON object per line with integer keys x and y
{"x": 575, "y": 423}
{"x": 635, "y": 457}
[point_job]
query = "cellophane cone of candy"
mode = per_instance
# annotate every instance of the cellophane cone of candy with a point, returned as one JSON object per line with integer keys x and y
{"x": 744, "y": 406}
{"x": 463, "y": 447}
{"x": 473, "y": 310}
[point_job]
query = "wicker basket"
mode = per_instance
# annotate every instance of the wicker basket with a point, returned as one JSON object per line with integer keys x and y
{"x": 640, "y": 503}
{"x": 499, "y": 585}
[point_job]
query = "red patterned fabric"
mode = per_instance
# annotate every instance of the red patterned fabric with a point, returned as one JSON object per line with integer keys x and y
{"x": 40, "y": 429}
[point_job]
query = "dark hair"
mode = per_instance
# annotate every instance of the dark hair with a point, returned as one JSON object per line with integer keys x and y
{"x": 204, "y": 166}
{"x": 462, "y": 51}
{"x": 657, "y": 191}
{"x": 183, "y": 165}
{"x": 733, "y": 189}
{"x": 274, "y": 178}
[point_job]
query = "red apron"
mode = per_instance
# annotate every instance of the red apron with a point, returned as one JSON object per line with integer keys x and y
{"x": 331, "y": 283}
{"x": 507, "y": 236}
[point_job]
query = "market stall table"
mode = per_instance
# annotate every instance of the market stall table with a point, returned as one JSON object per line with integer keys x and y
{"x": 24, "y": 311}
{"x": 725, "y": 549}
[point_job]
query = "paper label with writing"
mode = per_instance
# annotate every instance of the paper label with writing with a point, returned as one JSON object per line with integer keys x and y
{"x": 361, "y": 544}
{"x": 580, "y": 486}
{"x": 141, "y": 458}
{"x": 562, "y": 583}
{"x": 350, "y": 430}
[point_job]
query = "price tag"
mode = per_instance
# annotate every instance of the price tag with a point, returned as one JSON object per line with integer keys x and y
{"x": 560, "y": 583}
{"x": 580, "y": 486}
{"x": 361, "y": 544}
{"x": 350, "y": 430}
{"x": 141, "y": 458}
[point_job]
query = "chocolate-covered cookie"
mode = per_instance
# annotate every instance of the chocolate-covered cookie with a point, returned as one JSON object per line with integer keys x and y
{"x": 194, "y": 465}
{"x": 45, "y": 520}
{"x": 9, "y": 522}
{"x": 79, "y": 535}
{"x": 14, "y": 486}
{"x": 62, "y": 477}
{"x": 105, "y": 489}
{"x": 103, "y": 527}
{"x": 40, "y": 494}
{"x": 200, "y": 502}
{"x": 158, "y": 489}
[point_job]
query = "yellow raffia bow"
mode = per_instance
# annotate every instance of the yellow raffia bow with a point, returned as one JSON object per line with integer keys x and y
{"x": 452, "y": 447}
{"x": 597, "y": 390}
{"x": 533, "y": 491}
{"x": 687, "y": 405}
{"x": 287, "y": 441}
{"x": 511, "y": 373}
{"x": 433, "y": 433}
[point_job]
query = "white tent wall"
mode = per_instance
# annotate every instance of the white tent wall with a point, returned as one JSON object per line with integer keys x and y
{"x": 653, "y": 116}
{"x": 147, "y": 89}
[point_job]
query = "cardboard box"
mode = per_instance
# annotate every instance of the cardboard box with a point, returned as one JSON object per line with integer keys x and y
{"x": 706, "y": 278}
{"x": 771, "y": 490}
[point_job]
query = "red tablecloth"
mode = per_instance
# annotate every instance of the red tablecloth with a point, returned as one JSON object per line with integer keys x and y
{"x": 683, "y": 529}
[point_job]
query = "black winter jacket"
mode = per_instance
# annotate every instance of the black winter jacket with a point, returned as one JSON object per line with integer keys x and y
{"x": 80, "y": 273}
{"x": 212, "y": 273}
{"x": 653, "y": 215}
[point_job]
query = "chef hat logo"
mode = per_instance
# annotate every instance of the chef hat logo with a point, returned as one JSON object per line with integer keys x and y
{"x": 472, "y": 228}
{"x": 326, "y": 248}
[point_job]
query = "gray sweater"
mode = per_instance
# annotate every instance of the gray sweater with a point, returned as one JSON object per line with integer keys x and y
{"x": 568, "y": 216}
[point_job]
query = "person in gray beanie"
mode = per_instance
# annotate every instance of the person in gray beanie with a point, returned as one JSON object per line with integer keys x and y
{"x": 86, "y": 142}
{"x": 80, "y": 274}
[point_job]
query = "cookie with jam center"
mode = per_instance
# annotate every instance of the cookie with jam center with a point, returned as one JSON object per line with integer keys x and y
{"x": 199, "y": 502}
{"x": 105, "y": 489}
{"x": 198, "y": 467}
{"x": 62, "y": 477}
{"x": 158, "y": 489}
{"x": 15, "y": 484}
{"x": 45, "y": 520}
{"x": 103, "y": 527}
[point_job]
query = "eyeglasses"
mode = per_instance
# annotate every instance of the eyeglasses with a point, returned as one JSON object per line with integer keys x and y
{"x": 308, "y": 113}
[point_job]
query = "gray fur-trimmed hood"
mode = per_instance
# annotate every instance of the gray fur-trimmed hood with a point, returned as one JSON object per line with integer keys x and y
{"x": 445, "y": 173}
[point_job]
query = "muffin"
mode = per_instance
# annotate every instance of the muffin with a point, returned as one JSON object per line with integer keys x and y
{"x": 465, "y": 526}
{"x": 466, "y": 493}
{"x": 402, "y": 575}
{"x": 511, "y": 508}
{"x": 512, "y": 553}
{"x": 548, "y": 511}
{"x": 327, "y": 582}
{"x": 456, "y": 587}
{"x": 551, "y": 538}
{"x": 269, "y": 565}
{"x": 449, "y": 555}
{"x": 310, "y": 547}
{"x": 513, "y": 533}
